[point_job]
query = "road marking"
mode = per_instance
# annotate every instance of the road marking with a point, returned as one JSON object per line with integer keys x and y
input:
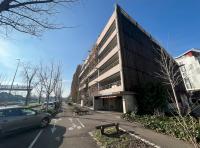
{"x": 80, "y": 122}
{"x": 54, "y": 125}
{"x": 74, "y": 125}
{"x": 34, "y": 141}
{"x": 70, "y": 128}
{"x": 70, "y": 119}
{"x": 79, "y": 127}
{"x": 54, "y": 128}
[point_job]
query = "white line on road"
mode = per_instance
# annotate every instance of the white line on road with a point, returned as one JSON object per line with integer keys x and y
{"x": 80, "y": 122}
{"x": 70, "y": 119}
{"x": 54, "y": 127}
{"x": 34, "y": 141}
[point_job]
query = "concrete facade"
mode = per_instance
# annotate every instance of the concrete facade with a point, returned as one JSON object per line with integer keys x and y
{"x": 121, "y": 61}
{"x": 190, "y": 69}
{"x": 189, "y": 63}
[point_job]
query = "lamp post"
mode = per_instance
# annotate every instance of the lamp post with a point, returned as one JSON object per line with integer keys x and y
{"x": 14, "y": 75}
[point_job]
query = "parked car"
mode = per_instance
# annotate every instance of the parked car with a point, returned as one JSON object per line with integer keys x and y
{"x": 51, "y": 105}
{"x": 14, "y": 118}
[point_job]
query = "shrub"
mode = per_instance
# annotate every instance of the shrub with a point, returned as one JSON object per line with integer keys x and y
{"x": 168, "y": 125}
{"x": 50, "y": 111}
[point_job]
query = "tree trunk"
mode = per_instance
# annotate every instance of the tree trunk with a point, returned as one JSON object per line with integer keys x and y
{"x": 39, "y": 99}
{"x": 176, "y": 100}
{"x": 47, "y": 106}
{"x": 27, "y": 97}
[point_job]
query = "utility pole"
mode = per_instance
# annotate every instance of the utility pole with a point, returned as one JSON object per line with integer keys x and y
{"x": 14, "y": 75}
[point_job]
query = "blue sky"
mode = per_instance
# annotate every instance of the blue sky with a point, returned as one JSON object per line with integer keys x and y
{"x": 175, "y": 24}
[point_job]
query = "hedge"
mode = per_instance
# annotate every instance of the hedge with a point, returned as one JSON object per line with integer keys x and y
{"x": 167, "y": 125}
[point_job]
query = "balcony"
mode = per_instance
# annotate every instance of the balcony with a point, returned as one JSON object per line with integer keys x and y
{"x": 108, "y": 56}
{"x": 111, "y": 91}
{"x": 109, "y": 73}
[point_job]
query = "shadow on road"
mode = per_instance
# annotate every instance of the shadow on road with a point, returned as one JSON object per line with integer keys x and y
{"x": 52, "y": 137}
{"x": 49, "y": 138}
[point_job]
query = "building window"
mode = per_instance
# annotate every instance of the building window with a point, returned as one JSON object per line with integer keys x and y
{"x": 187, "y": 83}
{"x": 190, "y": 67}
{"x": 183, "y": 68}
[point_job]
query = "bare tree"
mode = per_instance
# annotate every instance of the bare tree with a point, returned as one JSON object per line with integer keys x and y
{"x": 50, "y": 76}
{"x": 29, "y": 16}
{"x": 29, "y": 73}
{"x": 58, "y": 91}
{"x": 1, "y": 79}
{"x": 40, "y": 91}
{"x": 169, "y": 73}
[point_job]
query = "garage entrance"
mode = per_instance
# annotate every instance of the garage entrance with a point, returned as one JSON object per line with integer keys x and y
{"x": 108, "y": 103}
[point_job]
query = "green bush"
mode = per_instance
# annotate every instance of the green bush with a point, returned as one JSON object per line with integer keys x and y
{"x": 167, "y": 125}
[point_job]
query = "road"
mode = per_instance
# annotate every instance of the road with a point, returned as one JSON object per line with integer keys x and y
{"x": 64, "y": 131}
{"x": 68, "y": 131}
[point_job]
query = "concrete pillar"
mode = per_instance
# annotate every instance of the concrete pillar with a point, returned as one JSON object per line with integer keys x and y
{"x": 129, "y": 103}
{"x": 93, "y": 99}
{"x": 124, "y": 105}
{"x": 82, "y": 103}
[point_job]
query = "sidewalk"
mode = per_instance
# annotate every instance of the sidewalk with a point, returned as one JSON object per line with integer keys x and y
{"x": 164, "y": 141}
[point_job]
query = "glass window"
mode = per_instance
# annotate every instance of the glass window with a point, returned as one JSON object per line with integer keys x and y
{"x": 1, "y": 113}
{"x": 187, "y": 83}
{"x": 13, "y": 112}
{"x": 28, "y": 112}
{"x": 183, "y": 69}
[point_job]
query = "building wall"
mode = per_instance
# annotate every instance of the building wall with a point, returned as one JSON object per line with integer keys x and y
{"x": 135, "y": 65}
{"x": 190, "y": 70}
{"x": 75, "y": 85}
{"x": 139, "y": 54}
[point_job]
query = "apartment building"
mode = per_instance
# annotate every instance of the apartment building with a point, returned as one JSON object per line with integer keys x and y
{"x": 190, "y": 70}
{"x": 121, "y": 61}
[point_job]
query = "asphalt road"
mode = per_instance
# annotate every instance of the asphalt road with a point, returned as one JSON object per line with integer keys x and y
{"x": 64, "y": 131}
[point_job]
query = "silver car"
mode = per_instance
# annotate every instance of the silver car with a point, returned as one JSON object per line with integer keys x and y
{"x": 15, "y": 118}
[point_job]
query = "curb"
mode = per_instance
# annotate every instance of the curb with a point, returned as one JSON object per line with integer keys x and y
{"x": 142, "y": 139}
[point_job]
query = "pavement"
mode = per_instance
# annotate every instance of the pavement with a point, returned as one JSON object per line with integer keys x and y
{"x": 68, "y": 131}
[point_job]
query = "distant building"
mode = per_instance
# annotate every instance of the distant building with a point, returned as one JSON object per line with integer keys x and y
{"x": 75, "y": 86}
{"x": 121, "y": 61}
{"x": 189, "y": 63}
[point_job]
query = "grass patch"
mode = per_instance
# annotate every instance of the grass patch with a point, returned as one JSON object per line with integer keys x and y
{"x": 112, "y": 139}
{"x": 50, "y": 111}
{"x": 166, "y": 125}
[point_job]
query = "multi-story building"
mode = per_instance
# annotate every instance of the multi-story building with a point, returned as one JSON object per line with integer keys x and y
{"x": 121, "y": 61}
{"x": 190, "y": 70}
